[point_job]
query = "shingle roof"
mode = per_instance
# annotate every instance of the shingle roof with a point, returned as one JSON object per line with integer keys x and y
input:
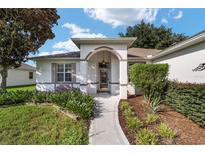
{"x": 142, "y": 52}
{"x": 132, "y": 52}
{"x": 72, "y": 54}
{"x": 26, "y": 67}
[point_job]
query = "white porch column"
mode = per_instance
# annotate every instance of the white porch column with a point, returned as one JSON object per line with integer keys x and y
{"x": 123, "y": 79}
{"x": 83, "y": 75}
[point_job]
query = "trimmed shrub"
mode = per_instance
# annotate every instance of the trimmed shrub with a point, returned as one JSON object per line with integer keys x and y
{"x": 166, "y": 132}
{"x": 151, "y": 79}
{"x": 152, "y": 118}
{"x": 188, "y": 99}
{"x": 146, "y": 137}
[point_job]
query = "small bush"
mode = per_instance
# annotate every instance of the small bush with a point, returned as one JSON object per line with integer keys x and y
{"x": 146, "y": 137}
{"x": 152, "y": 118}
{"x": 165, "y": 131}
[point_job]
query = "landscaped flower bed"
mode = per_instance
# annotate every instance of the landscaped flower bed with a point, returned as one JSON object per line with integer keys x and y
{"x": 144, "y": 131}
{"x": 187, "y": 132}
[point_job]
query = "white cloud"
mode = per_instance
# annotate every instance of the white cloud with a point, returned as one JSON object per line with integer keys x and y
{"x": 164, "y": 21}
{"x": 122, "y": 17}
{"x": 179, "y": 15}
{"x": 77, "y": 32}
{"x": 66, "y": 45}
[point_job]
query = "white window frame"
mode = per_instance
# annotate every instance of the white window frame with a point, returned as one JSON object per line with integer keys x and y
{"x": 64, "y": 72}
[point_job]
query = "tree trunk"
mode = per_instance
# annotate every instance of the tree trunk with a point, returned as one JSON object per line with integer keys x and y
{"x": 4, "y": 73}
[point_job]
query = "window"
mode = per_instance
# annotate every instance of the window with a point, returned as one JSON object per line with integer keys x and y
{"x": 31, "y": 75}
{"x": 64, "y": 72}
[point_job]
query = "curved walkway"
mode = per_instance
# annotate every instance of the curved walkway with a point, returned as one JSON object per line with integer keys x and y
{"x": 105, "y": 128}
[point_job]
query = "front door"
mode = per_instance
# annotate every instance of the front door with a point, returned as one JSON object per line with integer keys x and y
{"x": 104, "y": 77}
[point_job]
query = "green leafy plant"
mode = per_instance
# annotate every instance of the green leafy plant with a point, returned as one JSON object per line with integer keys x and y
{"x": 155, "y": 104}
{"x": 134, "y": 123}
{"x": 124, "y": 105}
{"x": 129, "y": 113}
{"x": 146, "y": 137}
{"x": 165, "y": 131}
{"x": 152, "y": 118}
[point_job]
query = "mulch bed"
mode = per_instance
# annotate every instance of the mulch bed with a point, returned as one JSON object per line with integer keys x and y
{"x": 188, "y": 132}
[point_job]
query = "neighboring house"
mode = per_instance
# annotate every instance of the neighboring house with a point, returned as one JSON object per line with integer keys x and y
{"x": 23, "y": 75}
{"x": 102, "y": 64}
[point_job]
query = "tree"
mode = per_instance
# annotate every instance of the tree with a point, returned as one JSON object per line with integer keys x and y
{"x": 149, "y": 36}
{"x": 23, "y": 32}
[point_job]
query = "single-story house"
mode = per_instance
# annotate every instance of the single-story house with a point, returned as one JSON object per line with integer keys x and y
{"x": 23, "y": 75}
{"x": 102, "y": 64}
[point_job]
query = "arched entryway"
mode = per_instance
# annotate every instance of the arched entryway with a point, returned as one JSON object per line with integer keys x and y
{"x": 103, "y": 71}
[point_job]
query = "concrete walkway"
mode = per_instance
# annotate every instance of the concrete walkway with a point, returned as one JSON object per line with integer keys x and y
{"x": 105, "y": 128}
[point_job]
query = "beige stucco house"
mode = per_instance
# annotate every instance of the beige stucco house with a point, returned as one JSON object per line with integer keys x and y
{"x": 102, "y": 64}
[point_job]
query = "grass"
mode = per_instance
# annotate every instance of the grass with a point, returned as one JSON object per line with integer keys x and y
{"x": 30, "y": 124}
{"x": 24, "y": 87}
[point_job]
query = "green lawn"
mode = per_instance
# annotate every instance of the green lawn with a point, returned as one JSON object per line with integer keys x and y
{"x": 26, "y": 87}
{"x": 30, "y": 124}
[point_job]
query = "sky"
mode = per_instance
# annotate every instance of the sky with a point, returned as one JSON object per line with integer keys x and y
{"x": 101, "y": 23}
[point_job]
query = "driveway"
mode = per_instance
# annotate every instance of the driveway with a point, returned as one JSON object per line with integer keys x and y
{"x": 105, "y": 128}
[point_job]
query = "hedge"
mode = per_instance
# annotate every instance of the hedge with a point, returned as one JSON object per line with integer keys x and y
{"x": 188, "y": 99}
{"x": 151, "y": 79}
{"x": 15, "y": 97}
{"x": 73, "y": 100}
